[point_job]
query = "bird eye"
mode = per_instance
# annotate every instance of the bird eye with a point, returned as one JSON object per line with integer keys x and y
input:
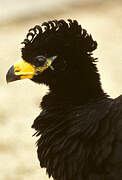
{"x": 40, "y": 60}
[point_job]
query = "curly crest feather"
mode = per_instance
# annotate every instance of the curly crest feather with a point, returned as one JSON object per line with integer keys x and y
{"x": 60, "y": 35}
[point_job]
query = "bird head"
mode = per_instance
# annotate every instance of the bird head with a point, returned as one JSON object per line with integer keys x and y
{"x": 53, "y": 52}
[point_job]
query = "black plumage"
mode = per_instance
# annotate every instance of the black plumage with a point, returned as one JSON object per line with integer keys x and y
{"x": 80, "y": 126}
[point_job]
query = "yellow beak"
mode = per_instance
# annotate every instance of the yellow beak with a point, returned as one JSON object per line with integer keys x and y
{"x": 20, "y": 70}
{"x": 25, "y": 70}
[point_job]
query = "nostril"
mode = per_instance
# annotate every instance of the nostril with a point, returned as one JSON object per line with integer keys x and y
{"x": 16, "y": 70}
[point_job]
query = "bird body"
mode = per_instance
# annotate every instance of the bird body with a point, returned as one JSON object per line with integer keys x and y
{"x": 81, "y": 141}
{"x": 80, "y": 127}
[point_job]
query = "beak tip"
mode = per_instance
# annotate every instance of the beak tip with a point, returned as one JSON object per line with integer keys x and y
{"x": 10, "y": 76}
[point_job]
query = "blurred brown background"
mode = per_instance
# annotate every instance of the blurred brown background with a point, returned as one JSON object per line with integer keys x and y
{"x": 19, "y": 101}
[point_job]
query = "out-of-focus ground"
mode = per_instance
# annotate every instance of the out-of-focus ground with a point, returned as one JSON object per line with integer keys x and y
{"x": 19, "y": 101}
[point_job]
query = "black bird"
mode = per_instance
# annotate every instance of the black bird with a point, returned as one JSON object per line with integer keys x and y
{"x": 80, "y": 126}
